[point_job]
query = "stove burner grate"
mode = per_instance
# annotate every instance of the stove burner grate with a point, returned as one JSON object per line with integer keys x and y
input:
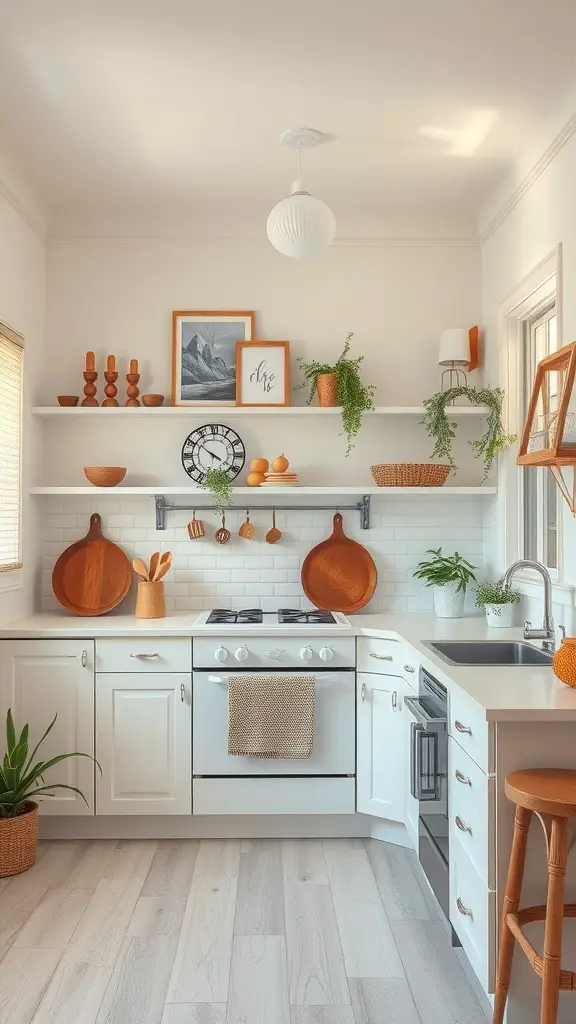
{"x": 316, "y": 616}
{"x": 226, "y": 616}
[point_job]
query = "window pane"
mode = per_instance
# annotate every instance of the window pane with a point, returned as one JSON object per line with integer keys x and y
{"x": 530, "y": 513}
{"x": 551, "y": 545}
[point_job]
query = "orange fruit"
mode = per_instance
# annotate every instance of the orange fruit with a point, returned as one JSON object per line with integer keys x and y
{"x": 255, "y": 479}
{"x": 259, "y": 465}
{"x": 280, "y": 464}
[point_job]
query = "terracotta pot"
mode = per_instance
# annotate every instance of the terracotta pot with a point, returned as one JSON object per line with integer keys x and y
{"x": 18, "y": 841}
{"x": 564, "y": 661}
{"x": 327, "y": 387}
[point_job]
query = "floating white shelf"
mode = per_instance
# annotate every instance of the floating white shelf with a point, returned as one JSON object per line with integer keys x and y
{"x": 223, "y": 411}
{"x": 265, "y": 492}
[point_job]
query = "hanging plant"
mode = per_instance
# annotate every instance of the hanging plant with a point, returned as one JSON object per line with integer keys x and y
{"x": 352, "y": 394}
{"x": 443, "y": 430}
{"x": 219, "y": 484}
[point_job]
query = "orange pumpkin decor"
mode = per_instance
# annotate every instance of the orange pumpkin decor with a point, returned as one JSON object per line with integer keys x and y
{"x": 255, "y": 479}
{"x": 280, "y": 464}
{"x": 564, "y": 661}
{"x": 259, "y": 465}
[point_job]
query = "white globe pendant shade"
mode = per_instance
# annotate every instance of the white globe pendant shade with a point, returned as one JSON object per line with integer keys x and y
{"x": 300, "y": 225}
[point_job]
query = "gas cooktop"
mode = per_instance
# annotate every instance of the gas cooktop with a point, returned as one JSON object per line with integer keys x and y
{"x": 281, "y": 617}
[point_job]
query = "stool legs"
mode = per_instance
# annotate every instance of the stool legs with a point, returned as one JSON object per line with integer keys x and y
{"x": 522, "y": 821}
{"x": 557, "y": 855}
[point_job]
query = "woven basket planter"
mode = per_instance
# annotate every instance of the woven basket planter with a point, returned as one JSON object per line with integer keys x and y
{"x": 410, "y": 474}
{"x": 18, "y": 841}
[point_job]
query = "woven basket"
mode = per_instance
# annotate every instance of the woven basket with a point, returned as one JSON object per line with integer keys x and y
{"x": 18, "y": 840}
{"x": 410, "y": 474}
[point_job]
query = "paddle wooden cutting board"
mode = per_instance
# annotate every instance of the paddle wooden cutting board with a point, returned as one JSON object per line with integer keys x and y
{"x": 339, "y": 574}
{"x": 92, "y": 576}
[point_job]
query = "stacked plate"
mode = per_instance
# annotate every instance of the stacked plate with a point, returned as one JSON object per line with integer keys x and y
{"x": 281, "y": 480}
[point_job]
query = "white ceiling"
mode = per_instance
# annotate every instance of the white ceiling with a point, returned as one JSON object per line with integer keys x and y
{"x": 144, "y": 112}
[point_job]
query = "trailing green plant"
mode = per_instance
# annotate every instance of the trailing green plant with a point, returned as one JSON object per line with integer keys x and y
{"x": 443, "y": 429}
{"x": 443, "y": 569}
{"x": 352, "y": 394}
{"x": 219, "y": 484}
{"x": 21, "y": 776}
{"x": 495, "y": 593}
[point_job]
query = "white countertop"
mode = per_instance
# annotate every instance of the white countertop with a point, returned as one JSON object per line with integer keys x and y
{"x": 505, "y": 693}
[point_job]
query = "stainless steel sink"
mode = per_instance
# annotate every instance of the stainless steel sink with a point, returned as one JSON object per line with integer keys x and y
{"x": 505, "y": 653}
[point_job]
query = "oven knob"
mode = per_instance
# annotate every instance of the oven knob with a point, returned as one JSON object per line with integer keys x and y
{"x": 326, "y": 653}
{"x": 273, "y": 653}
{"x": 306, "y": 654}
{"x": 221, "y": 654}
{"x": 241, "y": 654}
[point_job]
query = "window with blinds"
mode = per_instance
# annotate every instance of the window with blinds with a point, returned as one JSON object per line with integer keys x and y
{"x": 11, "y": 352}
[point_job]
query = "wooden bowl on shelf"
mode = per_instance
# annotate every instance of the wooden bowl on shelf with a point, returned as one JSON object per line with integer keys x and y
{"x": 68, "y": 400}
{"x": 105, "y": 476}
{"x": 151, "y": 400}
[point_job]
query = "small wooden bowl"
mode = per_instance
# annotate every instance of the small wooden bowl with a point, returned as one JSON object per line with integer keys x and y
{"x": 152, "y": 399}
{"x": 105, "y": 476}
{"x": 68, "y": 399}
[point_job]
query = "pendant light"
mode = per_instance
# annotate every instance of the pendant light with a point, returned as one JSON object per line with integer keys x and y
{"x": 301, "y": 226}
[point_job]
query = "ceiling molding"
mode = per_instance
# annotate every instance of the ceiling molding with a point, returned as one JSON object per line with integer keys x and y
{"x": 563, "y": 136}
{"x": 191, "y": 241}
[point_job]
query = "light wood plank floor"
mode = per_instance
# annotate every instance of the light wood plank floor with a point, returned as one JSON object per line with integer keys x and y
{"x": 217, "y": 932}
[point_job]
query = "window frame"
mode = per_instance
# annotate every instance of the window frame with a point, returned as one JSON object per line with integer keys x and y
{"x": 11, "y": 575}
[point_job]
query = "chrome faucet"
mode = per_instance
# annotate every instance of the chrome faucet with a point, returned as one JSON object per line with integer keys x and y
{"x": 546, "y": 632}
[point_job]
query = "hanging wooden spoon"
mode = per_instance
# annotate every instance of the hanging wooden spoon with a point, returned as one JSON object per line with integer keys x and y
{"x": 154, "y": 559}
{"x": 140, "y": 569}
{"x": 165, "y": 563}
{"x": 195, "y": 527}
{"x": 273, "y": 534}
{"x": 223, "y": 535}
{"x": 247, "y": 530}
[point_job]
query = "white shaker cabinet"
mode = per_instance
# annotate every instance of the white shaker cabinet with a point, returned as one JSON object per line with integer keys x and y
{"x": 43, "y": 678}
{"x": 144, "y": 743}
{"x": 381, "y": 742}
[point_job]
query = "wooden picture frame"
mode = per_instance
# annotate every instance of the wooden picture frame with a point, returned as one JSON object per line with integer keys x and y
{"x": 263, "y": 373}
{"x": 204, "y": 340}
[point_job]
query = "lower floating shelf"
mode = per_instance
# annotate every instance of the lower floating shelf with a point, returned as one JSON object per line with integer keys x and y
{"x": 383, "y": 492}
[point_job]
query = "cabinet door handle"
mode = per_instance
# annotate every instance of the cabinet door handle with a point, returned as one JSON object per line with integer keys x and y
{"x": 462, "y": 728}
{"x": 182, "y": 692}
{"x": 363, "y": 691}
{"x": 395, "y": 699}
{"x": 464, "y": 910}
{"x": 84, "y": 659}
{"x": 144, "y": 655}
{"x": 409, "y": 668}
{"x": 462, "y": 778}
{"x": 381, "y": 657}
{"x": 462, "y": 825}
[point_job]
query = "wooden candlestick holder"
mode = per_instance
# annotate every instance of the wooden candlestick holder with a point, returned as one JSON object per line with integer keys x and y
{"x": 90, "y": 376}
{"x": 110, "y": 376}
{"x": 132, "y": 379}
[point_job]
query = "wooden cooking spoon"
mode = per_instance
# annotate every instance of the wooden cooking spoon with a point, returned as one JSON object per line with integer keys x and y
{"x": 247, "y": 530}
{"x": 154, "y": 559}
{"x": 273, "y": 534}
{"x": 140, "y": 569}
{"x": 165, "y": 563}
{"x": 223, "y": 535}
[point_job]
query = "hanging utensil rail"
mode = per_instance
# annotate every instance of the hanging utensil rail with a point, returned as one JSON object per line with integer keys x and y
{"x": 362, "y": 506}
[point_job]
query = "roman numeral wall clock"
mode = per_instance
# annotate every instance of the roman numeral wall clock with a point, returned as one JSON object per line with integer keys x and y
{"x": 213, "y": 446}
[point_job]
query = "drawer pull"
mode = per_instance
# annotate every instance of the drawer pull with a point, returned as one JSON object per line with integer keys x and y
{"x": 464, "y": 909}
{"x": 153, "y": 655}
{"x": 381, "y": 657}
{"x": 409, "y": 668}
{"x": 363, "y": 692}
{"x": 463, "y": 728}
{"x": 462, "y": 778}
{"x": 462, "y": 825}
{"x": 182, "y": 692}
{"x": 394, "y": 700}
{"x": 84, "y": 659}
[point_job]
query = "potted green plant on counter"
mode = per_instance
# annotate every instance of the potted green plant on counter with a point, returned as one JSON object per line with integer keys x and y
{"x": 21, "y": 781}
{"x": 442, "y": 429}
{"x": 449, "y": 575}
{"x": 340, "y": 383}
{"x": 498, "y": 603}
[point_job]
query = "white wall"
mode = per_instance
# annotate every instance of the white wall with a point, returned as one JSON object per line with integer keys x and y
{"x": 22, "y": 289}
{"x": 544, "y": 216}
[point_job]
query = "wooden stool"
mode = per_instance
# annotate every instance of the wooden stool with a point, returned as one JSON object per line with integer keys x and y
{"x": 551, "y": 794}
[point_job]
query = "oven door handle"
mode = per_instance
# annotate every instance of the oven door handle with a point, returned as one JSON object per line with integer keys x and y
{"x": 286, "y": 672}
{"x": 414, "y": 704}
{"x": 425, "y": 780}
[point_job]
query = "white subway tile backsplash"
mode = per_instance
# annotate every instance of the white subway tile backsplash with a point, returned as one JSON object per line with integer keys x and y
{"x": 241, "y": 573}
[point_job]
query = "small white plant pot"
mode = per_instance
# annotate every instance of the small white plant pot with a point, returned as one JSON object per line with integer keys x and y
{"x": 448, "y": 602}
{"x": 501, "y": 615}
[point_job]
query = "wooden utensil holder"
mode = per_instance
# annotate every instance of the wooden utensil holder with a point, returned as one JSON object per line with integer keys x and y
{"x": 150, "y": 602}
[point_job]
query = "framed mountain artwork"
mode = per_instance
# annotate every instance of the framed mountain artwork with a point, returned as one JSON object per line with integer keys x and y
{"x": 204, "y": 354}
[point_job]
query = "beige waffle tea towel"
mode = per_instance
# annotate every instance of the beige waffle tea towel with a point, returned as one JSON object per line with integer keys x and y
{"x": 271, "y": 716}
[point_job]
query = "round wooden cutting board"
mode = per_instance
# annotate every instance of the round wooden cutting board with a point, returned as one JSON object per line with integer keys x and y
{"x": 92, "y": 576}
{"x": 339, "y": 574}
